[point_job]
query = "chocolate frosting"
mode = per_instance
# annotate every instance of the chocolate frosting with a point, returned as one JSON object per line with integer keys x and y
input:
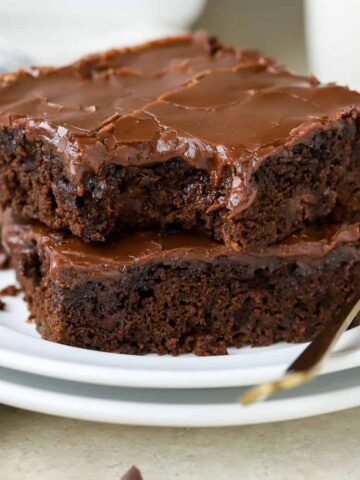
{"x": 185, "y": 97}
{"x": 101, "y": 259}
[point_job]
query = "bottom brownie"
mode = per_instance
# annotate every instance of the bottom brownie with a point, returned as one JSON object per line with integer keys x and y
{"x": 181, "y": 292}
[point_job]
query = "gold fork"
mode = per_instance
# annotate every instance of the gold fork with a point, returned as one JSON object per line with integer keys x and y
{"x": 308, "y": 363}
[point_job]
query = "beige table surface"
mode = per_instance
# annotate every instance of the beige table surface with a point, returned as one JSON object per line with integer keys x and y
{"x": 40, "y": 447}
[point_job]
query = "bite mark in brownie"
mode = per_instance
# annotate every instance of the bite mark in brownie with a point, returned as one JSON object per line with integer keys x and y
{"x": 182, "y": 133}
{"x": 182, "y": 292}
{"x": 9, "y": 291}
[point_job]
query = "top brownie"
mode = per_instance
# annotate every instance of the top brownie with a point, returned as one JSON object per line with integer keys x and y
{"x": 179, "y": 133}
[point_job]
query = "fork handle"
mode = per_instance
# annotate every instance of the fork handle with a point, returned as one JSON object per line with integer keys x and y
{"x": 307, "y": 364}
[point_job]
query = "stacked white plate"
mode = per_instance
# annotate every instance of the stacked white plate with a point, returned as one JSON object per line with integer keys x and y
{"x": 162, "y": 390}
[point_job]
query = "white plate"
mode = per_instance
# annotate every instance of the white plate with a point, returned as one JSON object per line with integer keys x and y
{"x": 178, "y": 408}
{"x": 22, "y": 349}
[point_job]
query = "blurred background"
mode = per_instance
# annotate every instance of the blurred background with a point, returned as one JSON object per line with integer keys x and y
{"x": 274, "y": 26}
{"x": 318, "y": 36}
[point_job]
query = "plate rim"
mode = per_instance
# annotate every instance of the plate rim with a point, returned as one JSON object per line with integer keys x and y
{"x": 156, "y": 378}
{"x": 154, "y": 414}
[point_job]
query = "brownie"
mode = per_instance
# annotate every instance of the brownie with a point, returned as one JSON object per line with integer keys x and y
{"x": 182, "y": 292}
{"x": 181, "y": 133}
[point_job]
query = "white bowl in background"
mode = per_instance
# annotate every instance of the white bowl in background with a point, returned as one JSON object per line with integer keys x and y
{"x": 333, "y": 40}
{"x": 59, "y": 31}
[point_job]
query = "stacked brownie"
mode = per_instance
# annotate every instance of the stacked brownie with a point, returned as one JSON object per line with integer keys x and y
{"x": 180, "y": 196}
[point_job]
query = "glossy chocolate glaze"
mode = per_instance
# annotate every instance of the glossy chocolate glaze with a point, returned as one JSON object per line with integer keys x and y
{"x": 186, "y": 97}
{"x": 96, "y": 259}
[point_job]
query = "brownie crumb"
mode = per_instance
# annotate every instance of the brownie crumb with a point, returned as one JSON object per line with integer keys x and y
{"x": 2, "y": 305}
{"x": 132, "y": 474}
{"x": 10, "y": 291}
